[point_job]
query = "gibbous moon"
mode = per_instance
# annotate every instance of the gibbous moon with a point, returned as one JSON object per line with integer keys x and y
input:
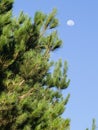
{"x": 70, "y": 22}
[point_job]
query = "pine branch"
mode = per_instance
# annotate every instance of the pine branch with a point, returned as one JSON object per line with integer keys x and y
{"x": 29, "y": 93}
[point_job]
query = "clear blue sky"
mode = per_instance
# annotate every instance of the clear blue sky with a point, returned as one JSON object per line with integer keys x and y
{"x": 80, "y": 49}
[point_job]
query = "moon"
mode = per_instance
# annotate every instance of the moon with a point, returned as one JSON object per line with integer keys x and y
{"x": 70, "y": 22}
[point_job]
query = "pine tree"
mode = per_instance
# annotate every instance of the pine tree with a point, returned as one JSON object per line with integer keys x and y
{"x": 93, "y": 125}
{"x": 30, "y": 92}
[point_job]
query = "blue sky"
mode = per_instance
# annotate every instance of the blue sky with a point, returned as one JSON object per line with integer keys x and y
{"x": 80, "y": 49}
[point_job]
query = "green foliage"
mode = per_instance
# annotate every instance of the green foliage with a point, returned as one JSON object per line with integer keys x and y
{"x": 93, "y": 125}
{"x": 30, "y": 94}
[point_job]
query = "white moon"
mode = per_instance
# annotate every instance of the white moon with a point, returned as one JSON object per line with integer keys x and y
{"x": 70, "y": 22}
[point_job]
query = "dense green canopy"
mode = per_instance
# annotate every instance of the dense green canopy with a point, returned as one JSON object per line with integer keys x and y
{"x": 30, "y": 92}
